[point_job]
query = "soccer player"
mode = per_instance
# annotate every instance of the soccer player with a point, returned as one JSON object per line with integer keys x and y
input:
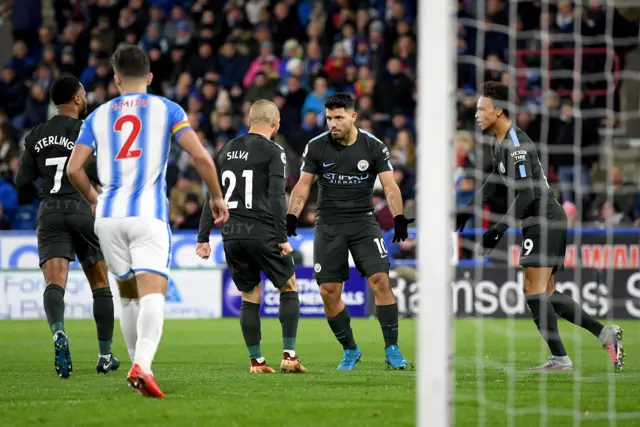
{"x": 131, "y": 135}
{"x": 65, "y": 223}
{"x": 544, "y": 230}
{"x": 253, "y": 169}
{"x": 346, "y": 161}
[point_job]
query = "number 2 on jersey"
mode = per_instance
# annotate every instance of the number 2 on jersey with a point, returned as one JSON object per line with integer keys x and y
{"x": 126, "y": 152}
{"x": 59, "y": 163}
{"x": 248, "y": 188}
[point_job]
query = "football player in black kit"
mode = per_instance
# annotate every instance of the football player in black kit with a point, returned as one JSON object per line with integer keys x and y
{"x": 65, "y": 223}
{"x": 347, "y": 161}
{"x": 544, "y": 230}
{"x": 253, "y": 174}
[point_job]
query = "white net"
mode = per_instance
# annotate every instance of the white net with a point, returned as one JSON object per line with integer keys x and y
{"x": 574, "y": 72}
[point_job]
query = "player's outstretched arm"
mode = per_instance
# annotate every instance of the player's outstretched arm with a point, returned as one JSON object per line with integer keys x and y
{"x": 77, "y": 174}
{"x": 396, "y": 205}
{"x": 298, "y": 199}
{"x": 189, "y": 141}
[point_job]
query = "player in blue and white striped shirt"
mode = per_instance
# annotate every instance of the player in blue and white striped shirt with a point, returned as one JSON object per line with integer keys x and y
{"x": 131, "y": 136}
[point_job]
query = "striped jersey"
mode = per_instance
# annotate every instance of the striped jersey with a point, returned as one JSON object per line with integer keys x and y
{"x": 131, "y": 136}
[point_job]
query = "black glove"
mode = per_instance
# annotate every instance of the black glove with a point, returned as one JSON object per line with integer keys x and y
{"x": 461, "y": 220}
{"x": 491, "y": 238}
{"x": 400, "y": 228}
{"x": 292, "y": 222}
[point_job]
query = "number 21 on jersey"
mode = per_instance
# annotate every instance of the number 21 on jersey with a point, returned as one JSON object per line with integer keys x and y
{"x": 136, "y": 126}
{"x": 229, "y": 178}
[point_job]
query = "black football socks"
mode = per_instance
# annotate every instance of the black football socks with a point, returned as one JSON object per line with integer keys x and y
{"x": 341, "y": 327}
{"x": 250, "y": 324}
{"x": 103, "y": 315}
{"x": 388, "y": 318}
{"x": 289, "y": 315}
{"x": 571, "y": 311}
{"x": 53, "y": 298}
{"x": 547, "y": 322}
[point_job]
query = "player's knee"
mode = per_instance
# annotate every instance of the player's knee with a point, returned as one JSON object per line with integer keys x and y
{"x": 128, "y": 288}
{"x": 379, "y": 283}
{"x": 331, "y": 293}
{"x": 97, "y": 275}
{"x": 290, "y": 285}
{"x": 151, "y": 283}
{"x": 535, "y": 280}
{"x": 254, "y": 295}
{"x": 55, "y": 271}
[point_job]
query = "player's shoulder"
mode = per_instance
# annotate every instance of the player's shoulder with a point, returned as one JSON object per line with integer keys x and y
{"x": 318, "y": 140}
{"x": 34, "y": 134}
{"x": 519, "y": 138}
{"x": 371, "y": 138}
{"x": 171, "y": 106}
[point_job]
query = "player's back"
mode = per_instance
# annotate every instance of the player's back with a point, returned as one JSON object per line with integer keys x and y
{"x": 132, "y": 140}
{"x": 50, "y": 144}
{"x": 244, "y": 165}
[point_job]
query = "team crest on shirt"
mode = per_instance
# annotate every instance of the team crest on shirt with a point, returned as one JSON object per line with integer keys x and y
{"x": 363, "y": 165}
{"x": 283, "y": 157}
{"x": 502, "y": 169}
{"x": 317, "y": 267}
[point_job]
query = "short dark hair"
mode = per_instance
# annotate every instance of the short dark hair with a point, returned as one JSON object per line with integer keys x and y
{"x": 340, "y": 100}
{"x": 499, "y": 95}
{"x": 130, "y": 61}
{"x": 63, "y": 89}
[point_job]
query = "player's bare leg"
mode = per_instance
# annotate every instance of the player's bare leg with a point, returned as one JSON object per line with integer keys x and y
{"x": 340, "y": 322}
{"x": 544, "y": 316}
{"x": 568, "y": 309}
{"x": 251, "y": 330}
{"x": 56, "y": 271}
{"x": 289, "y": 315}
{"x": 103, "y": 315}
{"x": 152, "y": 289}
{"x": 387, "y": 313}
{"x": 130, "y": 306}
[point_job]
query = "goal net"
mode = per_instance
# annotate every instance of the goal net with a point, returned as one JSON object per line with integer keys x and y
{"x": 574, "y": 73}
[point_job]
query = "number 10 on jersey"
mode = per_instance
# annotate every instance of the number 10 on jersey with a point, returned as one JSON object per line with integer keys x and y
{"x": 229, "y": 178}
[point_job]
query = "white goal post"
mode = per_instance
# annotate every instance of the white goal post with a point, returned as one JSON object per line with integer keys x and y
{"x": 435, "y": 121}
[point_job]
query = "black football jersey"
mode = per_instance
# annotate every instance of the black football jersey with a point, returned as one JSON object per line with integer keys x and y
{"x": 245, "y": 165}
{"x": 45, "y": 154}
{"x": 516, "y": 158}
{"x": 346, "y": 175}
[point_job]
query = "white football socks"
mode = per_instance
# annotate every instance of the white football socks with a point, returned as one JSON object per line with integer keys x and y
{"x": 128, "y": 324}
{"x": 150, "y": 321}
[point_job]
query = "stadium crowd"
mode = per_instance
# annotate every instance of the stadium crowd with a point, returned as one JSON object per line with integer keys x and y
{"x": 214, "y": 57}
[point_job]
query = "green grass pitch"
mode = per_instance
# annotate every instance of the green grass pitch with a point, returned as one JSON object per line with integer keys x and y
{"x": 202, "y": 366}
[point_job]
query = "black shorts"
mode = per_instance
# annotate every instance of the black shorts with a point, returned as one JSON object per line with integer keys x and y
{"x": 67, "y": 235}
{"x": 333, "y": 242}
{"x": 245, "y": 259}
{"x": 544, "y": 246}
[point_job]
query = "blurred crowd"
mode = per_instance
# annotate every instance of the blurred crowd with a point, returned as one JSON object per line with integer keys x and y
{"x": 215, "y": 57}
{"x": 566, "y": 91}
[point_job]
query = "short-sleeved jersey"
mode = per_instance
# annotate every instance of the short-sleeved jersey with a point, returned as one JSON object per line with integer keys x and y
{"x": 47, "y": 149}
{"x": 516, "y": 159}
{"x": 245, "y": 165}
{"x": 346, "y": 175}
{"x": 131, "y": 135}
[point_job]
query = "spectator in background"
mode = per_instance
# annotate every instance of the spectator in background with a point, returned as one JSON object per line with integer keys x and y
{"x": 190, "y": 218}
{"x": 185, "y": 186}
{"x": 620, "y": 206}
{"x": 8, "y": 203}
{"x": 315, "y": 100}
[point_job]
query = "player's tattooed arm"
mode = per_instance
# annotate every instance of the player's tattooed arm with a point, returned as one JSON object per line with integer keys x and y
{"x": 77, "y": 174}
{"x": 300, "y": 194}
{"x": 392, "y": 193}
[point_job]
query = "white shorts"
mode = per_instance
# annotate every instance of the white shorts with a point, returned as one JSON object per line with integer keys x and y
{"x": 135, "y": 245}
